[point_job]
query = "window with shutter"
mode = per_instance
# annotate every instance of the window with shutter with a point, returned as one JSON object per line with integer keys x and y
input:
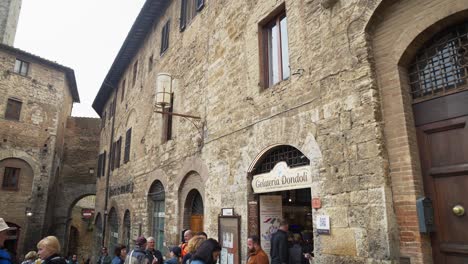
{"x": 123, "y": 90}
{"x": 165, "y": 37}
{"x": 128, "y": 139}
{"x": 135, "y": 72}
{"x": 112, "y": 157}
{"x": 188, "y": 10}
{"x": 118, "y": 146}
{"x": 13, "y": 109}
{"x": 21, "y": 67}
{"x": 99, "y": 167}
{"x": 104, "y": 163}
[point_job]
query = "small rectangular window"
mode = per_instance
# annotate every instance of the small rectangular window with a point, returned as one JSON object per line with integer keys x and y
{"x": 10, "y": 178}
{"x": 150, "y": 63}
{"x": 21, "y": 67}
{"x": 128, "y": 141}
{"x": 135, "y": 72}
{"x": 274, "y": 50}
{"x": 165, "y": 37}
{"x": 118, "y": 147}
{"x": 123, "y": 90}
{"x": 13, "y": 109}
{"x": 104, "y": 156}
{"x": 188, "y": 10}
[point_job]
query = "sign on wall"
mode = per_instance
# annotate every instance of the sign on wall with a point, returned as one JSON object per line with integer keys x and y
{"x": 271, "y": 213}
{"x": 229, "y": 239}
{"x": 281, "y": 178}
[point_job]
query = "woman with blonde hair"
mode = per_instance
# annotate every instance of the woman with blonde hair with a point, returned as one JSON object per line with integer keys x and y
{"x": 192, "y": 247}
{"x": 30, "y": 257}
{"x": 48, "y": 250}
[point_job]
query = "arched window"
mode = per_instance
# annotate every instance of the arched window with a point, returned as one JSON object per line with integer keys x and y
{"x": 292, "y": 156}
{"x": 113, "y": 224}
{"x": 126, "y": 230}
{"x": 441, "y": 65}
{"x": 157, "y": 211}
{"x": 98, "y": 233}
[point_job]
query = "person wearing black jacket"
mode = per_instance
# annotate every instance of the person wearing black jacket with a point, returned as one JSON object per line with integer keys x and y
{"x": 48, "y": 250}
{"x": 279, "y": 244}
{"x": 152, "y": 253}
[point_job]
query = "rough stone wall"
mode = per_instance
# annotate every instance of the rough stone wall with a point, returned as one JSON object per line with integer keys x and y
{"x": 46, "y": 100}
{"x": 329, "y": 109}
{"x": 9, "y": 14}
{"x": 78, "y": 171}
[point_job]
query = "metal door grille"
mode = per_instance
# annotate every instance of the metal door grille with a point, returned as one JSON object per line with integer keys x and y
{"x": 292, "y": 156}
{"x": 441, "y": 66}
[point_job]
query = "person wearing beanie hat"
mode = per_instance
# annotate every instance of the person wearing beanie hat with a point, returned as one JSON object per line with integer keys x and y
{"x": 5, "y": 258}
{"x": 138, "y": 254}
{"x": 175, "y": 256}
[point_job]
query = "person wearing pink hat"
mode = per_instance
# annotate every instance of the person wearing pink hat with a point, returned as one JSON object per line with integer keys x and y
{"x": 5, "y": 258}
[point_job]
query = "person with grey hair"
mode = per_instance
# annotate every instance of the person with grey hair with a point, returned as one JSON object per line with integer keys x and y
{"x": 153, "y": 255}
{"x": 5, "y": 257}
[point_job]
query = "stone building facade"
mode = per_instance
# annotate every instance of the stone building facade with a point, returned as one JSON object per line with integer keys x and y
{"x": 9, "y": 14}
{"x": 38, "y": 142}
{"x": 336, "y": 89}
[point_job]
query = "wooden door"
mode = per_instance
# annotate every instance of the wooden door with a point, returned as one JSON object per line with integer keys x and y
{"x": 443, "y": 147}
{"x": 196, "y": 223}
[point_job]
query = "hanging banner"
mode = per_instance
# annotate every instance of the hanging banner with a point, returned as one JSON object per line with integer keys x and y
{"x": 271, "y": 213}
{"x": 281, "y": 178}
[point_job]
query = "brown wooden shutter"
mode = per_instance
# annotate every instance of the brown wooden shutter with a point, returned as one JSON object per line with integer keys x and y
{"x": 13, "y": 109}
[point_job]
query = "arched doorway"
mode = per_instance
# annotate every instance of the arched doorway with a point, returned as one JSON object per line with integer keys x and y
{"x": 421, "y": 74}
{"x": 98, "y": 234}
{"x": 127, "y": 225}
{"x": 193, "y": 211}
{"x": 438, "y": 76}
{"x": 113, "y": 235}
{"x": 156, "y": 198}
{"x": 79, "y": 236}
{"x": 281, "y": 189}
{"x": 73, "y": 241}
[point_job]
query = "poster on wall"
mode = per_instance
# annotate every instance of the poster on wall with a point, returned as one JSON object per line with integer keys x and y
{"x": 229, "y": 238}
{"x": 271, "y": 213}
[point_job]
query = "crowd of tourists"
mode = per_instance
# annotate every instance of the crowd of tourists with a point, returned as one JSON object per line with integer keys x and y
{"x": 193, "y": 249}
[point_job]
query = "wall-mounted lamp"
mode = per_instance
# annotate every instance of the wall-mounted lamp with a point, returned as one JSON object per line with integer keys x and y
{"x": 28, "y": 212}
{"x": 164, "y": 95}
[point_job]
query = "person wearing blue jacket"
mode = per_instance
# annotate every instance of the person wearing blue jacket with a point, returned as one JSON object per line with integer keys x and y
{"x": 5, "y": 257}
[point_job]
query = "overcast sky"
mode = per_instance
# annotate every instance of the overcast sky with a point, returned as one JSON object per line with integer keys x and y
{"x": 84, "y": 35}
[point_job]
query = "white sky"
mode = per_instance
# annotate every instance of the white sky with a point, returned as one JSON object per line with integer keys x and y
{"x": 84, "y": 35}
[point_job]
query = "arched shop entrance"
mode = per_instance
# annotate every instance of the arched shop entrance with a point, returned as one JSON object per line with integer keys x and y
{"x": 281, "y": 189}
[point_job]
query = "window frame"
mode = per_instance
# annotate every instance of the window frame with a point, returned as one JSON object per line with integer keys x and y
{"x": 22, "y": 64}
{"x": 195, "y": 5}
{"x": 10, "y": 113}
{"x": 274, "y": 19}
{"x": 17, "y": 172}
{"x": 165, "y": 33}
{"x": 128, "y": 142}
{"x": 168, "y": 122}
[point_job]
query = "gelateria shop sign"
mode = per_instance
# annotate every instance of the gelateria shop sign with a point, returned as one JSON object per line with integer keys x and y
{"x": 281, "y": 178}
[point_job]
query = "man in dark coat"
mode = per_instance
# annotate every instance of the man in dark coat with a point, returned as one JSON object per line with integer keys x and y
{"x": 152, "y": 253}
{"x": 279, "y": 244}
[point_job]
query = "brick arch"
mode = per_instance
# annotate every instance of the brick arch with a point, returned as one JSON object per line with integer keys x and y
{"x": 397, "y": 30}
{"x": 192, "y": 181}
{"x": 22, "y": 155}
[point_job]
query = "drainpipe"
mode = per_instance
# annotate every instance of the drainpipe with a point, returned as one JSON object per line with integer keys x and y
{"x": 111, "y": 150}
